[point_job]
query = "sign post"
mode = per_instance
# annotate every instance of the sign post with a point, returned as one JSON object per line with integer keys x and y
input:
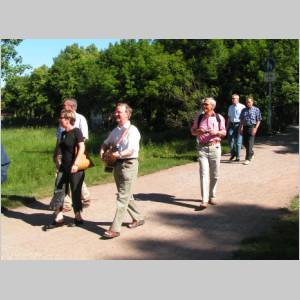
{"x": 270, "y": 77}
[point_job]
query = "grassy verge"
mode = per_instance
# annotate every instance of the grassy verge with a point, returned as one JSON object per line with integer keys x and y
{"x": 31, "y": 172}
{"x": 281, "y": 242}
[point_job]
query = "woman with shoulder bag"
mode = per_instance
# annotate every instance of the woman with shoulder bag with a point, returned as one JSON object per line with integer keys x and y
{"x": 71, "y": 147}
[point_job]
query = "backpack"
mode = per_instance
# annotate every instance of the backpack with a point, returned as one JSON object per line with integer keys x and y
{"x": 217, "y": 117}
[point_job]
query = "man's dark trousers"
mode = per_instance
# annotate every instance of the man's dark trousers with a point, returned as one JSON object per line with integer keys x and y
{"x": 248, "y": 141}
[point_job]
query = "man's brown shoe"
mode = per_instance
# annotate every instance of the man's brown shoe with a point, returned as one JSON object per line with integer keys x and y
{"x": 109, "y": 234}
{"x": 211, "y": 202}
{"x": 135, "y": 224}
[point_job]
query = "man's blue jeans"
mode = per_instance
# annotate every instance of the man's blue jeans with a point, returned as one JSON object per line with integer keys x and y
{"x": 235, "y": 140}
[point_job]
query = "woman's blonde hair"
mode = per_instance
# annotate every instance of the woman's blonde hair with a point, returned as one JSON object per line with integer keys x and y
{"x": 68, "y": 114}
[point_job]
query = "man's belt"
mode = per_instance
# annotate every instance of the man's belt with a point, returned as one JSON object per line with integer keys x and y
{"x": 125, "y": 159}
{"x": 209, "y": 144}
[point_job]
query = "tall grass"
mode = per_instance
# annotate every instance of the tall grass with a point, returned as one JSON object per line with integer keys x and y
{"x": 32, "y": 171}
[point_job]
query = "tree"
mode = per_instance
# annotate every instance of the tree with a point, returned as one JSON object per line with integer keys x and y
{"x": 11, "y": 62}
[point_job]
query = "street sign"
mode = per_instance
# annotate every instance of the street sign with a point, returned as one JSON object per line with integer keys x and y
{"x": 269, "y": 77}
{"x": 270, "y": 64}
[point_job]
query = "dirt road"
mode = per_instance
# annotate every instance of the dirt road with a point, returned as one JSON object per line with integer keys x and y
{"x": 248, "y": 198}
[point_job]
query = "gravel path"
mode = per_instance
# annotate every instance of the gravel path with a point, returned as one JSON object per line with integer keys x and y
{"x": 249, "y": 197}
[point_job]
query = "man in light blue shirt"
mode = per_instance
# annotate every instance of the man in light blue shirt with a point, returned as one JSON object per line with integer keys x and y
{"x": 233, "y": 123}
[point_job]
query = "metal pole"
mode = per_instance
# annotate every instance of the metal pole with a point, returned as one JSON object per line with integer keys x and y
{"x": 270, "y": 91}
{"x": 270, "y": 108}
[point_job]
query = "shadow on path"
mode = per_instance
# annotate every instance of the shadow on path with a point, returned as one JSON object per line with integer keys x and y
{"x": 289, "y": 140}
{"x": 204, "y": 236}
{"x": 27, "y": 201}
{"x": 42, "y": 219}
{"x": 164, "y": 198}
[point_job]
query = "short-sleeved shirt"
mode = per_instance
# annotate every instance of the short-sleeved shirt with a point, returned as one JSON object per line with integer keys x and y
{"x": 80, "y": 123}
{"x": 234, "y": 112}
{"x": 250, "y": 116}
{"x": 68, "y": 142}
{"x": 130, "y": 141}
{"x": 208, "y": 123}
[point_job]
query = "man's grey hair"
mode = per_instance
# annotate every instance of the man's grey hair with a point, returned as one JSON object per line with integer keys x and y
{"x": 211, "y": 100}
{"x": 74, "y": 101}
{"x": 128, "y": 109}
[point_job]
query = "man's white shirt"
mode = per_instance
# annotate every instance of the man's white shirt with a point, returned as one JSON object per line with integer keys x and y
{"x": 130, "y": 141}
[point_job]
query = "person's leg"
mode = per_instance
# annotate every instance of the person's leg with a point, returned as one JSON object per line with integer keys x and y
{"x": 239, "y": 145}
{"x": 76, "y": 180}
{"x": 85, "y": 195}
{"x": 251, "y": 143}
{"x": 214, "y": 170}
{"x": 231, "y": 142}
{"x": 57, "y": 200}
{"x": 126, "y": 174}
{"x": 204, "y": 174}
{"x": 246, "y": 142}
{"x": 235, "y": 140}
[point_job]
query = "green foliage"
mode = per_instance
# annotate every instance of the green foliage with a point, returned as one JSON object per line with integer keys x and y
{"x": 11, "y": 62}
{"x": 163, "y": 80}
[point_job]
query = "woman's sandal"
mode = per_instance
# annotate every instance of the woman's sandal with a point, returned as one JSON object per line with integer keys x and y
{"x": 109, "y": 234}
{"x": 135, "y": 224}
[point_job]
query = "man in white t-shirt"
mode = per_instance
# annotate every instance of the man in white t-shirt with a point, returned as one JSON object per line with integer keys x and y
{"x": 81, "y": 123}
{"x": 233, "y": 123}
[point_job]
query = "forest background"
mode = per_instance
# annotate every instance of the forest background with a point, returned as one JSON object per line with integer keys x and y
{"x": 163, "y": 80}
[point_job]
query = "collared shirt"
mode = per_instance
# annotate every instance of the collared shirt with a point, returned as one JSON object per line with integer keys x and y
{"x": 250, "y": 116}
{"x": 234, "y": 112}
{"x": 80, "y": 123}
{"x": 208, "y": 123}
{"x": 130, "y": 141}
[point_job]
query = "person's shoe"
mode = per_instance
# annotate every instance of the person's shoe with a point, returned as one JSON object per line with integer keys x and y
{"x": 202, "y": 206}
{"x": 237, "y": 159}
{"x": 109, "y": 234}
{"x": 247, "y": 162}
{"x": 78, "y": 222}
{"x": 232, "y": 157}
{"x": 86, "y": 203}
{"x": 54, "y": 224}
{"x": 135, "y": 224}
{"x": 67, "y": 208}
{"x": 212, "y": 202}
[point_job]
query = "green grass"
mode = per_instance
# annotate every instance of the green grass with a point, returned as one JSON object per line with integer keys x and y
{"x": 281, "y": 242}
{"x": 31, "y": 172}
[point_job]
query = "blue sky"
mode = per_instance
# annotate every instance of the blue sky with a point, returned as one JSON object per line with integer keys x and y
{"x": 38, "y": 52}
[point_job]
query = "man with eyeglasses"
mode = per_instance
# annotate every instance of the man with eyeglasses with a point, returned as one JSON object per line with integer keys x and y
{"x": 209, "y": 128}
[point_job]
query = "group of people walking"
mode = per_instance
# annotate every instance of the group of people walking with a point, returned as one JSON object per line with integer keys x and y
{"x": 71, "y": 137}
{"x": 208, "y": 127}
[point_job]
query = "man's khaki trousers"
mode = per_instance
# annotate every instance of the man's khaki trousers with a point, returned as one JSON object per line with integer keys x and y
{"x": 209, "y": 169}
{"x": 125, "y": 174}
